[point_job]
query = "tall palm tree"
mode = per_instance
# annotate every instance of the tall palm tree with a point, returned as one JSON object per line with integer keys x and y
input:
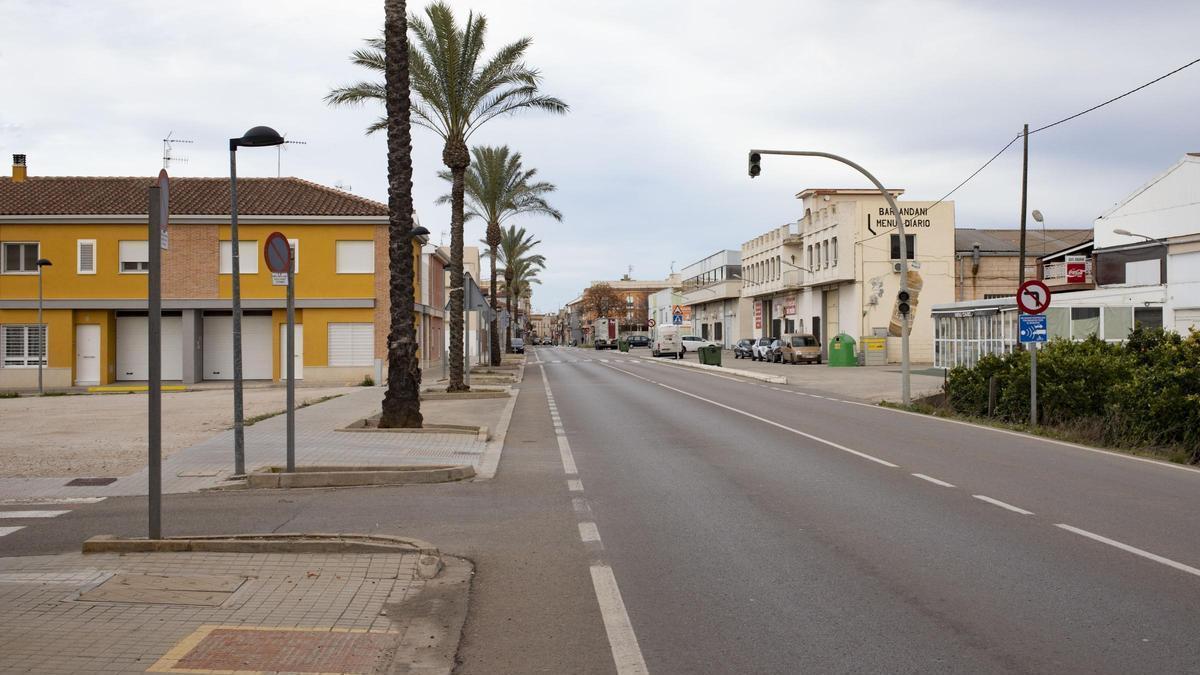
{"x": 402, "y": 401}
{"x": 459, "y": 91}
{"x": 515, "y": 252}
{"x": 524, "y": 275}
{"x": 497, "y": 188}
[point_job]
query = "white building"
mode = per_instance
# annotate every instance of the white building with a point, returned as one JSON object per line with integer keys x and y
{"x": 661, "y": 310}
{"x": 712, "y": 290}
{"x": 1149, "y": 276}
{"x": 837, "y": 270}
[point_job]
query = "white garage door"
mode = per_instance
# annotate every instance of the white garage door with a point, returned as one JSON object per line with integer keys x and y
{"x": 351, "y": 344}
{"x": 257, "y": 349}
{"x": 133, "y": 335}
{"x": 1185, "y": 319}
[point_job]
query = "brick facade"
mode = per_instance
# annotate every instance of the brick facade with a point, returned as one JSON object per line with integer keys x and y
{"x": 190, "y": 264}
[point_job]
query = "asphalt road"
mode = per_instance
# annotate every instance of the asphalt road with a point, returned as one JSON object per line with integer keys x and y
{"x": 695, "y": 523}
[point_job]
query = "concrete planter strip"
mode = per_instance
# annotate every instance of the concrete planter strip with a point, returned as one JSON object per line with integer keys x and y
{"x": 351, "y": 476}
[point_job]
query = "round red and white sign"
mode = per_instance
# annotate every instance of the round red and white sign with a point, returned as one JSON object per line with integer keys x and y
{"x": 1033, "y": 297}
{"x": 652, "y": 323}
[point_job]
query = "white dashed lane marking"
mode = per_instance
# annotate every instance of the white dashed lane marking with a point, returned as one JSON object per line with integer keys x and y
{"x": 1131, "y": 549}
{"x": 1003, "y": 505}
{"x": 5, "y": 531}
{"x": 933, "y": 480}
{"x": 31, "y": 514}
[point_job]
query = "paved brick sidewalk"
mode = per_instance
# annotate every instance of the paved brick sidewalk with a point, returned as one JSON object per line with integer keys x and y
{"x": 76, "y": 613}
{"x": 209, "y": 463}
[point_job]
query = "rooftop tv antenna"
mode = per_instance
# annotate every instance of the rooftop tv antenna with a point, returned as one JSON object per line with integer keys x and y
{"x": 168, "y": 146}
{"x": 344, "y": 187}
{"x": 279, "y": 154}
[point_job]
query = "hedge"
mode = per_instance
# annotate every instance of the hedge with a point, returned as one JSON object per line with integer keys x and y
{"x": 1143, "y": 393}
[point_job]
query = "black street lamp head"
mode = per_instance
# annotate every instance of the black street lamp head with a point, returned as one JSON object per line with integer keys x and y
{"x": 258, "y": 137}
{"x": 420, "y": 231}
{"x": 43, "y": 262}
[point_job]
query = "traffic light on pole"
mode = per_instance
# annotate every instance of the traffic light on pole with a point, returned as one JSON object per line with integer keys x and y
{"x": 903, "y": 305}
{"x": 755, "y": 164}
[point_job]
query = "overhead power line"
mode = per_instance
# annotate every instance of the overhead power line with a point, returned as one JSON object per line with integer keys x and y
{"x": 1065, "y": 119}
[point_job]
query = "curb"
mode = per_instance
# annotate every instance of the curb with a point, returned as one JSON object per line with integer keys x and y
{"x": 360, "y": 426}
{"x": 773, "y": 379}
{"x": 490, "y": 462}
{"x": 430, "y": 561}
{"x": 355, "y": 476}
{"x": 431, "y": 621}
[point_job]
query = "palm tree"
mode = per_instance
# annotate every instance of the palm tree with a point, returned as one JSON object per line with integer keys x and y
{"x": 524, "y": 274}
{"x": 458, "y": 93}
{"x": 402, "y": 401}
{"x": 515, "y": 253}
{"x": 497, "y": 188}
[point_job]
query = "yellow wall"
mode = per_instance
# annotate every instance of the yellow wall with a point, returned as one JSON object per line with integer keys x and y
{"x": 58, "y": 244}
{"x": 316, "y": 322}
{"x": 60, "y": 333}
{"x": 318, "y": 277}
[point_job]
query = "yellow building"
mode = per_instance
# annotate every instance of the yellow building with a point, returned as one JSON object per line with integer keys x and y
{"x": 94, "y": 233}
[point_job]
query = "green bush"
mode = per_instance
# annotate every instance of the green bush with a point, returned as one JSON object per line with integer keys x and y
{"x": 1143, "y": 393}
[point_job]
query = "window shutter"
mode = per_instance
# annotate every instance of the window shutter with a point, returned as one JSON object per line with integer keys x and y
{"x": 351, "y": 344}
{"x": 355, "y": 257}
{"x": 87, "y": 256}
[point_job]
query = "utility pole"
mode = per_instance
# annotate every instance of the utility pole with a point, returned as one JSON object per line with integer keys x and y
{"x": 1024, "y": 197}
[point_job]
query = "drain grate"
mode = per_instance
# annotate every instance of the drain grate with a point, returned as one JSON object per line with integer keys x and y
{"x": 81, "y": 482}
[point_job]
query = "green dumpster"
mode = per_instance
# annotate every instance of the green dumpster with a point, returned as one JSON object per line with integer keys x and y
{"x": 841, "y": 351}
{"x": 710, "y": 355}
{"x": 623, "y": 345}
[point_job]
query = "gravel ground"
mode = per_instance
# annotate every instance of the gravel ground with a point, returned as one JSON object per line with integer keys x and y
{"x": 105, "y": 434}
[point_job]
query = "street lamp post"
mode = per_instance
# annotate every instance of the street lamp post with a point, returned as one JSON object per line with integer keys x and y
{"x": 42, "y": 262}
{"x": 905, "y": 369}
{"x": 256, "y": 137}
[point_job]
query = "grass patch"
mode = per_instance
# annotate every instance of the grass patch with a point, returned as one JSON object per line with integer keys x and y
{"x": 61, "y": 393}
{"x": 367, "y": 381}
{"x": 9, "y": 394}
{"x": 251, "y": 421}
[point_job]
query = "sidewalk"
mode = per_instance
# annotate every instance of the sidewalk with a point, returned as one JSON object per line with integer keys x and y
{"x": 870, "y": 384}
{"x": 210, "y": 462}
{"x": 205, "y": 612}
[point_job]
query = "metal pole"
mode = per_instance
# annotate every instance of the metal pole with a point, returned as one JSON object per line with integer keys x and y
{"x": 1033, "y": 416}
{"x": 154, "y": 415}
{"x": 239, "y": 438}
{"x": 905, "y": 369}
{"x": 41, "y": 333}
{"x": 466, "y": 341}
{"x": 291, "y": 362}
{"x": 1024, "y": 192}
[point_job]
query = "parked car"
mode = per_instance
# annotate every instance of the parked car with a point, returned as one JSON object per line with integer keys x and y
{"x": 799, "y": 347}
{"x": 517, "y": 346}
{"x": 693, "y": 342}
{"x": 600, "y": 343}
{"x": 667, "y": 342}
{"x": 638, "y": 341}
{"x": 760, "y": 350}
{"x": 743, "y": 349}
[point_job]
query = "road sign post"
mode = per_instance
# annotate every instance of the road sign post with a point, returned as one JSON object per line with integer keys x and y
{"x": 1033, "y": 298}
{"x": 280, "y": 260}
{"x": 157, "y": 230}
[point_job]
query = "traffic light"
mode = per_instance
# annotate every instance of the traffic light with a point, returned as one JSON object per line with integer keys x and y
{"x": 755, "y": 164}
{"x": 903, "y": 306}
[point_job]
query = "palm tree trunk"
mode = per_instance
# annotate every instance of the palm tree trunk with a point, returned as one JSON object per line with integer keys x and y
{"x": 402, "y": 401}
{"x": 457, "y": 158}
{"x": 508, "y": 307}
{"x": 495, "y": 331}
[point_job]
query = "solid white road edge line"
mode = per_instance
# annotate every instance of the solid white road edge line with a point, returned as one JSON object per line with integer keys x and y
{"x": 627, "y": 655}
{"x": 933, "y": 480}
{"x": 1131, "y": 549}
{"x": 809, "y": 436}
{"x": 31, "y": 514}
{"x": 5, "y": 531}
{"x": 997, "y": 502}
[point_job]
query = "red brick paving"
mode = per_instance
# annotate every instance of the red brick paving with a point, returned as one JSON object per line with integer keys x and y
{"x": 298, "y": 651}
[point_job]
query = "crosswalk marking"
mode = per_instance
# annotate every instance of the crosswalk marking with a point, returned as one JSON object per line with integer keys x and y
{"x": 5, "y": 531}
{"x": 31, "y": 514}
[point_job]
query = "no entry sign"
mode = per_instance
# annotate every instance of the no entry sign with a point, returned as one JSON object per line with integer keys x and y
{"x": 1033, "y": 297}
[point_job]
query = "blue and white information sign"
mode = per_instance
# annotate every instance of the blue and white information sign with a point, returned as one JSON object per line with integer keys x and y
{"x": 1032, "y": 328}
{"x": 677, "y": 319}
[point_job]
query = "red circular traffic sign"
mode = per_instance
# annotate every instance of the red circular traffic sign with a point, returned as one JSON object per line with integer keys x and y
{"x": 1033, "y": 297}
{"x": 651, "y": 323}
{"x": 278, "y": 252}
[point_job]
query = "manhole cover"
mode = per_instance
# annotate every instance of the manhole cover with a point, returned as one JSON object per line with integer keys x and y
{"x": 79, "y": 482}
{"x": 297, "y": 650}
{"x": 154, "y": 589}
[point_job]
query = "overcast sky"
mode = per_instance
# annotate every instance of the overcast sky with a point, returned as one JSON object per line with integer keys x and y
{"x": 666, "y": 98}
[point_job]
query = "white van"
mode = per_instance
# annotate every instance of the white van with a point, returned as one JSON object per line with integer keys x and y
{"x": 666, "y": 341}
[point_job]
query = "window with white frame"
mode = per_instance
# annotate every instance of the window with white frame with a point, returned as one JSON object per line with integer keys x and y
{"x": 355, "y": 257}
{"x": 834, "y": 242}
{"x": 85, "y": 256}
{"x": 23, "y": 344}
{"x": 818, "y": 247}
{"x": 134, "y": 257}
{"x": 295, "y": 246}
{"x": 247, "y": 257}
{"x": 825, "y": 245}
{"x": 20, "y": 257}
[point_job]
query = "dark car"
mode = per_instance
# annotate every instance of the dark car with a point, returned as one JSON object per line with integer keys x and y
{"x": 639, "y": 341}
{"x": 744, "y": 349}
{"x": 517, "y": 346}
{"x": 600, "y": 343}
